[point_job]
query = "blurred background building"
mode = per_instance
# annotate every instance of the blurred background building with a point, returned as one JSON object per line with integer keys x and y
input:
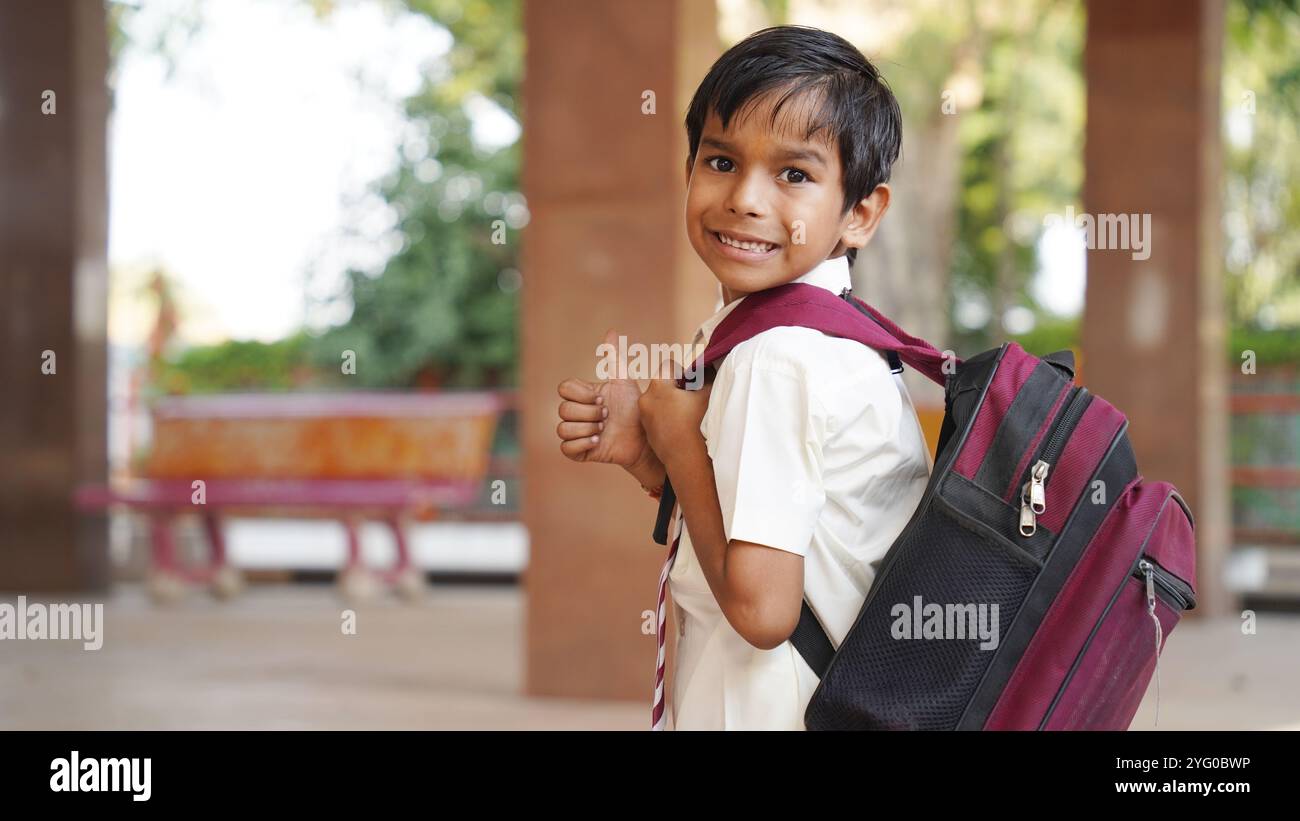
{"x": 330, "y": 258}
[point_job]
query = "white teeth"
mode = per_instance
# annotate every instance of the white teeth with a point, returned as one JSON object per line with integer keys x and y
{"x": 756, "y": 247}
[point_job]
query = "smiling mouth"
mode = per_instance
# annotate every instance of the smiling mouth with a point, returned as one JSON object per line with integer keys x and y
{"x": 747, "y": 251}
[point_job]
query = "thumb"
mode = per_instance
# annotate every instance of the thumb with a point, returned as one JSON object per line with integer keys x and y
{"x": 612, "y": 337}
{"x": 611, "y": 365}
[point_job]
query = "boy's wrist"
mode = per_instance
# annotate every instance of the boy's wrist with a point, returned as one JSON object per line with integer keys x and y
{"x": 648, "y": 470}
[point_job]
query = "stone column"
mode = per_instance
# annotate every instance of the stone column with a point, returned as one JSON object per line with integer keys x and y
{"x": 53, "y": 291}
{"x": 1153, "y": 328}
{"x": 606, "y": 247}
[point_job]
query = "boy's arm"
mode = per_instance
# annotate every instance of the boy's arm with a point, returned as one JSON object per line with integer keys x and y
{"x": 758, "y": 588}
{"x": 648, "y": 470}
{"x": 753, "y": 494}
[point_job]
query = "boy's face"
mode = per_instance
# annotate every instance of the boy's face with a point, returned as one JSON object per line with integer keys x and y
{"x": 758, "y": 183}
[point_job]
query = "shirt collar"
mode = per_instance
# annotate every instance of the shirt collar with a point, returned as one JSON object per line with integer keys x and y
{"x": 831, "y": 274}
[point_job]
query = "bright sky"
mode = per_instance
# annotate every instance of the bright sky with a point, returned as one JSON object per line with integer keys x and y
{"x": 249, "y": 167}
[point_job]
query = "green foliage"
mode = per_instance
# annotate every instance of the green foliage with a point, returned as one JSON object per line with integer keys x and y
{"x": 1261, "y": 104}
{"x": 1271, "y": 347}
{"x": 240, "y": 365}
{"x": 443, "y": 312}
{"x": 1049, "y": 335}
{"x": 1022, "y": 150}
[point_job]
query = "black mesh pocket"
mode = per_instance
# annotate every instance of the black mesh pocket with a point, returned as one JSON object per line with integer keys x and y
{"x": 878, "y": 681}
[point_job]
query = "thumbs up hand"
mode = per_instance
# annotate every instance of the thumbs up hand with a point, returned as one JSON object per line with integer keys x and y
{"x": 600, "y": 422}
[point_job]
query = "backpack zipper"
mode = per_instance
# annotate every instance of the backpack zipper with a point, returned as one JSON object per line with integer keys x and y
{"x": 1033, "y": 493}
{"x": 1147, "y": 570}
{"x": 1154, "y": 575}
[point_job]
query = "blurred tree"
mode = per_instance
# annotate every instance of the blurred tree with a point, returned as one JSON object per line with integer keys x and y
{"x": 930, "y": 55}
{"x": 990, "y": 147}
{"x": 443, "y": 311}
{"x": 183, "y": 21}
{"x": 1261, "y": 106}
{"x": 1022, "y": 151}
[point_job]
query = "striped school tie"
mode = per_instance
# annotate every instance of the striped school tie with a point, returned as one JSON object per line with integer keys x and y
{"x": 658, "y": 712}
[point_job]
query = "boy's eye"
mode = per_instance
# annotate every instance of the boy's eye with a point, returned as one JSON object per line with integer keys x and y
{"x": 801, "y": 178}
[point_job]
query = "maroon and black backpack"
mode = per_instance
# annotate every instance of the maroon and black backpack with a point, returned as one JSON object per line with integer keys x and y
{"x": 1034, "y": 510}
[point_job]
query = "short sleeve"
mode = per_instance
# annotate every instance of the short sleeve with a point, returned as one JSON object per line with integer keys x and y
{"x": 766, "y": 431}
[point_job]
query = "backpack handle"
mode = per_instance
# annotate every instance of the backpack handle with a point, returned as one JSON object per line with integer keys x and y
{"x": 1064, "y": 360}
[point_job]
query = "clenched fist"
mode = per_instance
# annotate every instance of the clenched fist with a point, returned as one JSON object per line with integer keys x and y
{"x": 599, "y": 422}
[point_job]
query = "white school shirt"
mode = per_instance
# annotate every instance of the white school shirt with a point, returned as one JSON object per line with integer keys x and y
{"x": 817, "y": 450}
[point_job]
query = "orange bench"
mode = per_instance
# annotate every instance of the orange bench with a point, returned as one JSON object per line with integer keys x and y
{"x": 385, "y": 456}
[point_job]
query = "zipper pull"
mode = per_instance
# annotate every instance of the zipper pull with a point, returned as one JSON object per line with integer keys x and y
{"x": 1037, "y": 491}
{"x": 1028, "y": 521}
{"x": 1149, "y": 572}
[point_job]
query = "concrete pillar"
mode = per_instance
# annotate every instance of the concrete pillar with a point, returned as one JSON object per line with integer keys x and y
{"x": 1153, "y": 329}
{"x": 606, "y": 247}
{"x": 53, "y": 291}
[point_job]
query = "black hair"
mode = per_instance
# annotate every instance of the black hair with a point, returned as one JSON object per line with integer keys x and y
{"x": 857, "y": 108}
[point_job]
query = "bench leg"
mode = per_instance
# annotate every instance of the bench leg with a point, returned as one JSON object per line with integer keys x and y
{"x": 399, "y": 538}
{"x": 162, "y": 544}
{"x": 166, "y": 582}
{"x": 356, "y": 583}
{"x": 216, "y": 539}
{"x": 226, "y": 581}
{"x": 407, "y": 578}
{"x": 352, "y": 527}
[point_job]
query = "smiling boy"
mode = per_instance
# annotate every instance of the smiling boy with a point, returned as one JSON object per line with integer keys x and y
{"x": 799, "y": 464}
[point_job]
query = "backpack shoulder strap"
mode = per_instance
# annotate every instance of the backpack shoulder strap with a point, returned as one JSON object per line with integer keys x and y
{"x": 801, "y": 305}
{"x": 811, "y": 641}
{"x": 798, "y": 304}
{"x": 809, "y": 306}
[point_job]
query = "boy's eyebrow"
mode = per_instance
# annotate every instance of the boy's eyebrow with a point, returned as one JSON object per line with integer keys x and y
{"x": 785, "y": 152}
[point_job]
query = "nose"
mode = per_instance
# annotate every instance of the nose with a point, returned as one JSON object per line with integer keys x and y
{"x": 746, "y": 196}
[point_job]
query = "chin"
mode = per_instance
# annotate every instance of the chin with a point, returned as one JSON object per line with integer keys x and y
{"x": 742, "y": 283}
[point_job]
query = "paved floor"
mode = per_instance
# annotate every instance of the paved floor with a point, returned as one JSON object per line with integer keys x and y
{"x": 277, "y": 658}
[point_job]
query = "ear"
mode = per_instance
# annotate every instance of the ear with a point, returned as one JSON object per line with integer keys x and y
{"x": 690, "y": 163}
{"x": 865, "y": 216}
